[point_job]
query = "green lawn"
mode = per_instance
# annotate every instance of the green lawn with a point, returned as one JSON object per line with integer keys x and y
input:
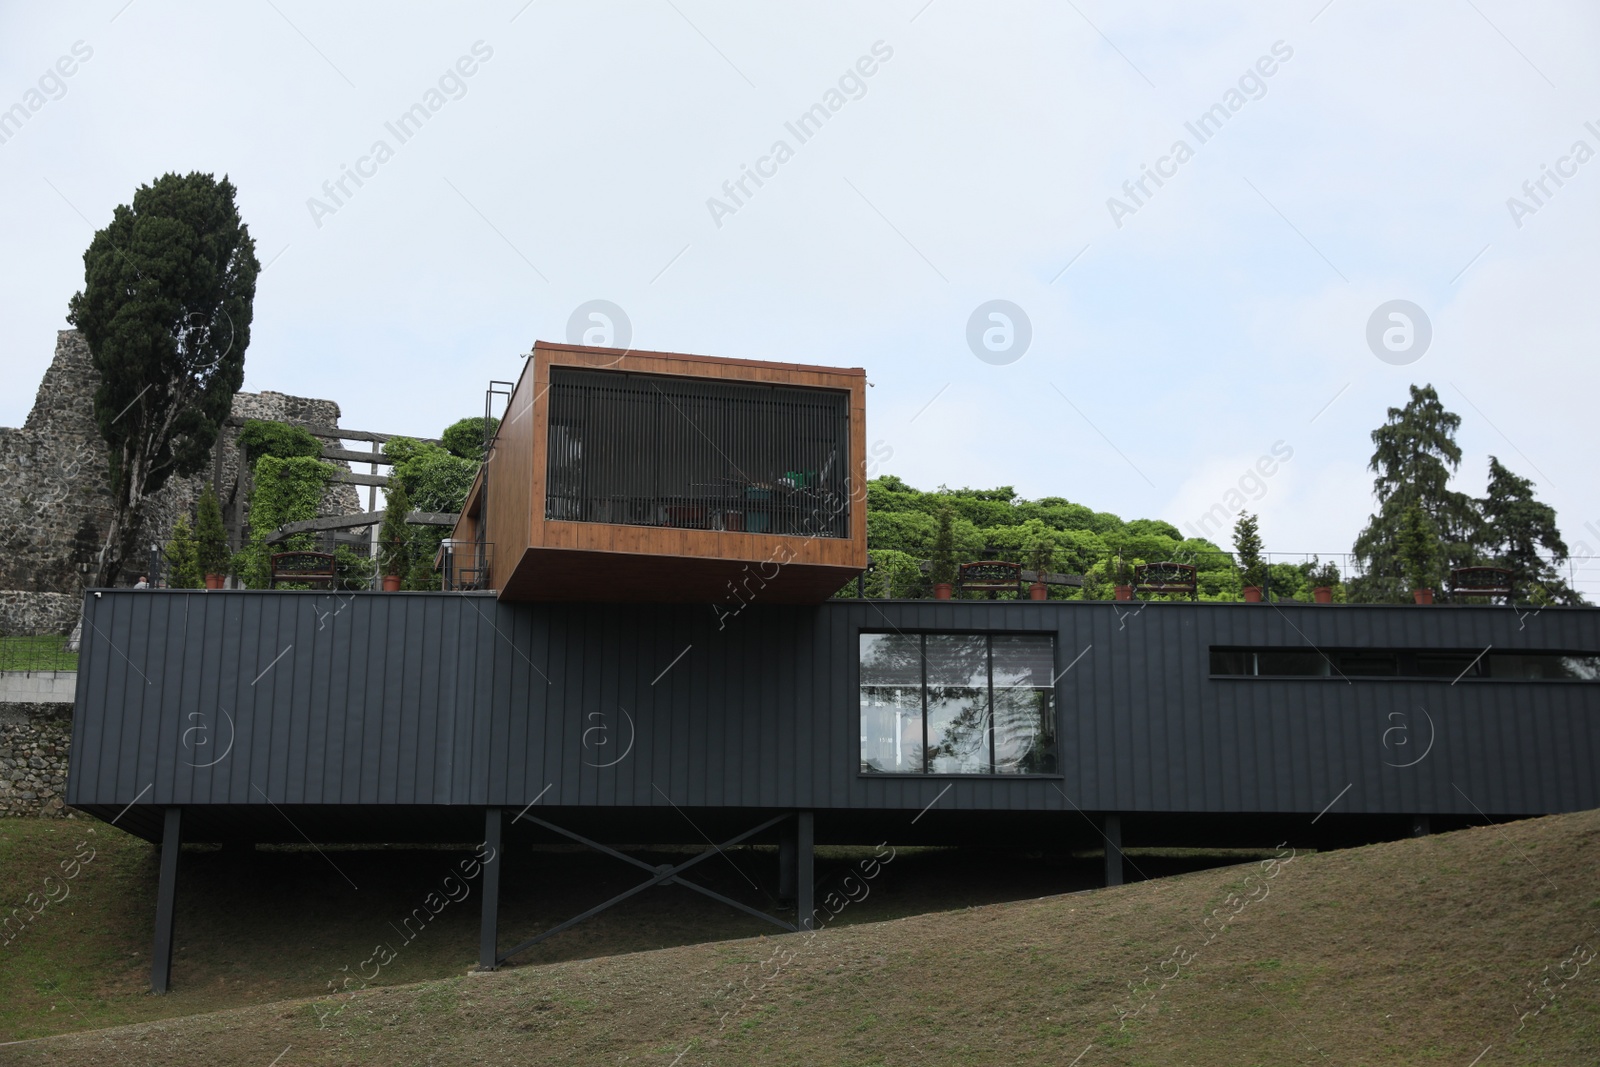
{"x": 43, "y": 652}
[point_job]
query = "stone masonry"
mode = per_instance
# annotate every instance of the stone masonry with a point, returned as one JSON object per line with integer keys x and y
{"x": 55, "y": 503}
{"x": 33, "y": 758}
{"x": 38, "y": 613}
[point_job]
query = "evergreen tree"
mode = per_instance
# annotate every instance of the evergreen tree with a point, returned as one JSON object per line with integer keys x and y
{"x": 1247, "y": 549}
{"x": 1417, "y": 546}
{"x": 944, "y": 552}
{"x": 1414, "y": 455}
{"x": 183, "y": 559}
{"x": 394, "y": 540}
{"x": 166, "y": 310}
{"x": 1516, "y": 527}
{"x": 211, "y": 537}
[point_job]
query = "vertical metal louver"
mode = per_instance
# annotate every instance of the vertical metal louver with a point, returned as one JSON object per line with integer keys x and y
{"x": 695, "y": 453}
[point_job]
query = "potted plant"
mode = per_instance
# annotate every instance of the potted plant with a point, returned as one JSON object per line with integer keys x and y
{"x": 1323, "y": 577}
{"x": 1121, "y": 575}
{"x": 1247, "y": 555}
{"x": 943, "y": 572}
{"x": 1040, "y": 559}
{"x": 1419, "y": 552}
{"x": 211, "y": 540}
{"x": 183, "y": 557}
{"x": 393, "y": 541}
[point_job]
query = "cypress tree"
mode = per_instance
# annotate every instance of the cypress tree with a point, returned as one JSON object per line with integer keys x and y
{"x": 166, "y": 310}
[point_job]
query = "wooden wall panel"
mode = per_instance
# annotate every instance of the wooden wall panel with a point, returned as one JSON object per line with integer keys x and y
{"x": 520, "y": 464}
{"x": 508, "y": 473}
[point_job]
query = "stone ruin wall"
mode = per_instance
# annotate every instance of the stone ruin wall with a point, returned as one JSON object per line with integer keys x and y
{"x": 33, "y": 759}
{"x": 55, "y": 505}
{"x": 55, "y": 501}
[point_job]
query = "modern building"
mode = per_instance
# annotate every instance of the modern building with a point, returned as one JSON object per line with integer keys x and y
{"x": 601, "y": 685}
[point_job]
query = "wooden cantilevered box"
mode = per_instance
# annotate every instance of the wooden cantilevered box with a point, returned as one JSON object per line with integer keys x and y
{"x": 649, "y": 476}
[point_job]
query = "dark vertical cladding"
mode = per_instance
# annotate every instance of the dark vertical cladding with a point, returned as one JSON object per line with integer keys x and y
{"x": 374, "y": 700}
{"x": 697, "y": 453}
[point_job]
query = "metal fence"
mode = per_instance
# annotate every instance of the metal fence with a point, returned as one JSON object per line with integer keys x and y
{"x": 648, "y": 450}
{"x": 1288, "y": 577}
{"x": 35, "y": 654}
{"x": 360, "y": 562}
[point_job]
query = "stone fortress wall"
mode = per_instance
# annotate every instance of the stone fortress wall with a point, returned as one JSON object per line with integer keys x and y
{"x": 55, "y": 505}
{"x": 55, "y": 501}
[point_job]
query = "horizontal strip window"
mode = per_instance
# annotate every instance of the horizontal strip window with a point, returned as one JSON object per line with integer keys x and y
{"x": 958, "y": 704}
{"x": 1427, "y": 663}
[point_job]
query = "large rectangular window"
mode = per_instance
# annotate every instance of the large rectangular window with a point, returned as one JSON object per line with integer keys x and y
{"x": 697, "y": 453}
{"x": 958, "y": 704}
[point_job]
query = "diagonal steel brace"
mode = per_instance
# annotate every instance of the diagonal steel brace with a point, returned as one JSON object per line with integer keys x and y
{"x": 662, "y": 875}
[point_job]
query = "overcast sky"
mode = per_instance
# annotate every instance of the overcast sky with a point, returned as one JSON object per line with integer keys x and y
{"x": 1359, "y": 152}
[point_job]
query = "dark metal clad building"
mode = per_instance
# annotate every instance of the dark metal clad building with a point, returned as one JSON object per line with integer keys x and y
{"x": 239, "y": 700}
{"x": 304, "y": 716}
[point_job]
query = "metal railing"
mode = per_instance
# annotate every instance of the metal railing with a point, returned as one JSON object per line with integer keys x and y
{"x": 36, "y": 653}
{"x": 465, "y": 566}
{"x": 1288, "y": 577}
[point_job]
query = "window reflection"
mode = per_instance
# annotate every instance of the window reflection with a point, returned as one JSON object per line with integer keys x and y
{"x": 957, "y": 704}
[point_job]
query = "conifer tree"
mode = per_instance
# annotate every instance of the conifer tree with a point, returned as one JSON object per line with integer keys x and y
{"x": 166, "y": 310}
{"x": 1414, "y": 455}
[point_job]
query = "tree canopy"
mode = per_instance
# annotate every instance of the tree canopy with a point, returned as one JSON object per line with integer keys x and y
{"x": 1422, "y": 528}
{"x": 433, "y": 479}
{"x": 903, "y": 531}
{"x": 466, "y": 437}
{"x": 1414, "y": 456}
{"x": 166, "y": 309}
{"x": 1516, "y": 527}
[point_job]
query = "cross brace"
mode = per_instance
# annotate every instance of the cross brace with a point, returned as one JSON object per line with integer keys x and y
{"x": 664, "y": 874}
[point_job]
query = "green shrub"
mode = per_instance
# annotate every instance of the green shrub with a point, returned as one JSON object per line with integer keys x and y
{"x": 264, "y": 437}
{"x": 285, "y": 490}
{"x": 434, "y": 479}
{"x": 354, "y": 569}
{"x": 895, "y": 574}
{"x": 464, "y": 439}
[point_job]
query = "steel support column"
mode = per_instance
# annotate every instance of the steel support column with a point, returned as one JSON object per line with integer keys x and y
{"x": 1113, "y": 835}
{"x": 489, "y": 923}
{"x": 788, "y": 864}
{"x": 805, "y": 871}
{"x": 166, "y": 899}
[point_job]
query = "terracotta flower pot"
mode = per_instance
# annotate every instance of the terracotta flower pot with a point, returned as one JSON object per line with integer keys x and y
{"x": 1252, "y": 594}
{"x": 1422, "y": 596}
{"x": 941, "y": 590}
{"x": 216, "y": 581}
{"x": 1124, "y": 592}
{"x": 391, "y": 583}
{"x": 1322, "y": 594}
{"x": 1038, "y": 591}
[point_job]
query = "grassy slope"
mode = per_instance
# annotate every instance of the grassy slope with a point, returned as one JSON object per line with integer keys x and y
{"x": 1421, "y": 951}
{"x": 285, "y": 923}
